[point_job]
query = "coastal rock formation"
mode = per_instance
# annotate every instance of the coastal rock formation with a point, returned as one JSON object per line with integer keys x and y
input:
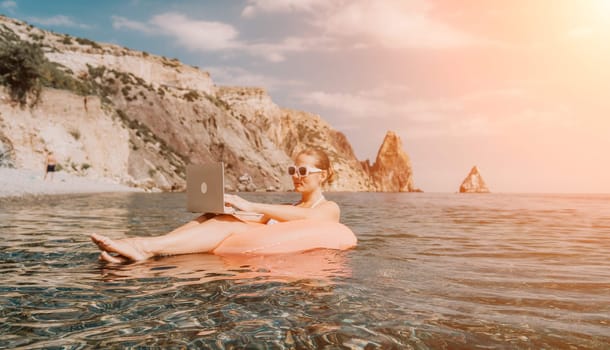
{"x": 138, "y": 119}
{"x": 473, "y": 183}
{"x": 391, "y": 171}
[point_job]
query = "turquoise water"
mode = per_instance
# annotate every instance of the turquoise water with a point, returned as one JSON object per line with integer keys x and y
{"x": 431, "y": 271}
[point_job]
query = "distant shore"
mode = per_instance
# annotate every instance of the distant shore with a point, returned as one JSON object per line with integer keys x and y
{"x": 27, "y": 182}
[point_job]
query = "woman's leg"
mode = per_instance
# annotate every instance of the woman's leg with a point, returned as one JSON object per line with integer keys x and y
{"x": 193, "y": 223}
{"x": 129, "y": 248}
{"x": 190, "y": 238}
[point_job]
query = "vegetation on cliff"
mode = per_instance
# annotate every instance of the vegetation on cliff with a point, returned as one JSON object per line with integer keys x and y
{"x": 20, "y": 69}
{"x": 24, "y": 70}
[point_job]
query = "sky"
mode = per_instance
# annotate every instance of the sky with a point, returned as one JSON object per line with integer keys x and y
{"x": 519, "y": 88}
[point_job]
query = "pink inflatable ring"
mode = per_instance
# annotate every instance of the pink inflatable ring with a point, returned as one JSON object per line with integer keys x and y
{"x": 289, "y": 237}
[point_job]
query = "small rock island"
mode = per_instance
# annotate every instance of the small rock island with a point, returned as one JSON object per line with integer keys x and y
{"x": 474, "y": 183}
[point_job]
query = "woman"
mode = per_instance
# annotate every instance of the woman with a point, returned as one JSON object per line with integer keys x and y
{"x": 312, "y": 170}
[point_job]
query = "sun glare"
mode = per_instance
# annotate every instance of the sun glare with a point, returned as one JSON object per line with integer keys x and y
{"x": 601, "y": 8}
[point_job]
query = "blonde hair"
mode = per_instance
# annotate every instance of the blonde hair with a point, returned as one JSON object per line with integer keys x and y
{"x": 321, "y": 162}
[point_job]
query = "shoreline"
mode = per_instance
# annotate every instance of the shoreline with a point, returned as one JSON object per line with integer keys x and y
{"x": 21, "y": 183}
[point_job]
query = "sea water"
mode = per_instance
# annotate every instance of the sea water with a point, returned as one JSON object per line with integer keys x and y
{"x": 431, "y": 271}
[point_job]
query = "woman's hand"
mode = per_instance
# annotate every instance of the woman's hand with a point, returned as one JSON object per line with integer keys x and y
{"x": 238, "y": 202}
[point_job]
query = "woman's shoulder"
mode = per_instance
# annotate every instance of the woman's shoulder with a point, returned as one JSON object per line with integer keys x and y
{"x": 330, "y": 204}
{"x": 332, "y": 209}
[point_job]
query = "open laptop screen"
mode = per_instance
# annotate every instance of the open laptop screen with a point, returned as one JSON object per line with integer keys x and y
{"x": 205, "y": 188}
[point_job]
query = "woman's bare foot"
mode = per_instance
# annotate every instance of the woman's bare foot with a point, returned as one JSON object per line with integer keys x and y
{"x": 116, "y": 259}
{"x": 127, "y": 248}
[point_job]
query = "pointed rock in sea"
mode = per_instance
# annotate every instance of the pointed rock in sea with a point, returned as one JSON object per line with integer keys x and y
{"x": 392, "y": 170}
{"x": 474, "y": 183}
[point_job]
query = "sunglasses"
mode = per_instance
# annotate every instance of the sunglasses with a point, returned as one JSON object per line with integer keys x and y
{"x": 302, "y": 171}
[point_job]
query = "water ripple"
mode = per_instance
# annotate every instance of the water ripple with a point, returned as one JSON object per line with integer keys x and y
{"x": 431, "y": 271}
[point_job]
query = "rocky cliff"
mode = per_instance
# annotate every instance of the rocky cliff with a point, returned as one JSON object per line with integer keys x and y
{"x": 137, "y": 118}
{"x": 473, "y": 183}
{"x": 391, "y": 171}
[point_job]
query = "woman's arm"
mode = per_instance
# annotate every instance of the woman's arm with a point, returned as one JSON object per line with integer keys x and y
{"x": 325, "y": 211}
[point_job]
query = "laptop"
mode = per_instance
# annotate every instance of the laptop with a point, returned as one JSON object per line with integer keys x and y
{"x": 205, "y": 186}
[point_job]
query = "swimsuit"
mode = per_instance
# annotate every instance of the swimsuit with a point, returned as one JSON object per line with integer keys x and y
{"x": 51, "y": 168}
{"x": 273, "y": 221}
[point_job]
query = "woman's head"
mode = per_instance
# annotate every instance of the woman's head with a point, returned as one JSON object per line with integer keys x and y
{"x": 312, "y": 170}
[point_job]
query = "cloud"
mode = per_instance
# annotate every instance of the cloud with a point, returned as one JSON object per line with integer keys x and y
{"x": 385, "y": 102}
{"x": 256, "y": 7}
{"x": 357, "y": 24}
{"x": 9, "y": 5}
{"x": 276, "y": 52}
{"x": 59, "y": 21}
{"x": 197, "y": 35}
{"x": 382, "y": 107}
{"x": 421, "y": 118}
{"x": 208, "y": 36}
{"x": 191, "y": 34}
{"x": 364, "y": 24}
{"x": 353, "y": 105}
{"x": 237, "y": 76}
{"x": 124, "y": 23}
{"x": 393, "y": 24}
{"x": 194, "y": 35}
